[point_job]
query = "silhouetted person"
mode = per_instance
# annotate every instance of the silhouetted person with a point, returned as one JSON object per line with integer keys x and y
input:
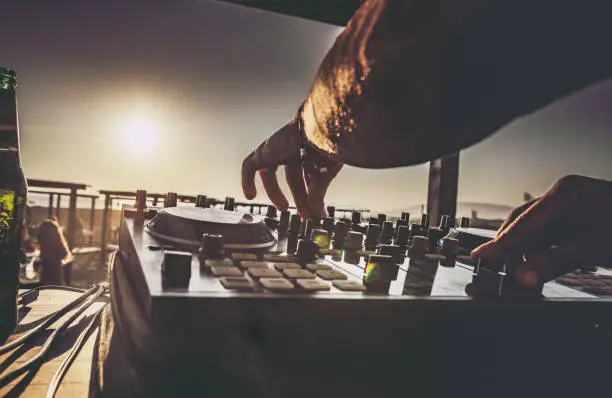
{"x": 54, "y": 253}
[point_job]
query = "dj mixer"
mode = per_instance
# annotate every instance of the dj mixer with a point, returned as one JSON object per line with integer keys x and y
{"x": 229, "y": 303}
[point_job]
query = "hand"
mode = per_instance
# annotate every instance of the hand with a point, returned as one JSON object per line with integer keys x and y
{"x": 307, "y": 184}
{"x": 567, "y": 228}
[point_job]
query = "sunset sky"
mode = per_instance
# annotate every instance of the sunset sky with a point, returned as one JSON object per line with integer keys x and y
{"x": 171, "y": 96}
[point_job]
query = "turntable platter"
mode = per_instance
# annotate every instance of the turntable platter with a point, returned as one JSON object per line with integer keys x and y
{"x": 185, "y": 226}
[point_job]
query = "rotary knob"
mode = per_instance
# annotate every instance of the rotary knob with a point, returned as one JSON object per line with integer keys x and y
{"x": 229, "y": 204}
{"x": 392, "y": 250}
{"x": 200, "y": 201}
{"x": 283, "y": 225}
{"x": 372, "y": 234}
{"x": 171, "y": 199}
{"x": 382, "y": 218}
{"x": 271, "y": 212}
{"x": 465, "y": 222}
{"x": 405, "y": 216}
{"x": 176, "y": 269}
{"x": 419, "y": 246}
{"x": 386, "y": 235}
{"x": 328, "y": 224}
{"x": 211, "y": 246}
{"x": 353, "y": 243}
{"x": 306, "y": 250}
{"x": 403, "y": 236}
{"x": 341, "y": 230}
{"x": 331, "y": 212}
{"x": 425, "y": 221}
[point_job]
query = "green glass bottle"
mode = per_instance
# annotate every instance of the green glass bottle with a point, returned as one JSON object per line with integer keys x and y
{"x": 13, "y": 195}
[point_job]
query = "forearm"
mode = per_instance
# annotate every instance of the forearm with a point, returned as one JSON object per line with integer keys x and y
{"x": 409, "y": 81}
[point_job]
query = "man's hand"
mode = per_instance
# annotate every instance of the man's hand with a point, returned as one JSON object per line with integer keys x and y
{"x": 308, "y": 185}
{"x": 567, "y": 228}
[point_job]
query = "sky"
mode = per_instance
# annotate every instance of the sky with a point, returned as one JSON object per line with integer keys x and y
{"x": 171, "y": 96}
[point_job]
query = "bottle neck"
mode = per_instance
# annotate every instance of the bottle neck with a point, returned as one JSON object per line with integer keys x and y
{"x": 9, "y": 127}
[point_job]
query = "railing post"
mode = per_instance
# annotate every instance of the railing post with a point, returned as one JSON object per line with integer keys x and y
{"x": 57, "y": 208}
{"x": 442, "y": 189}
{"x": 92, "y": 219}
{"x": 50, "y": 209}
{"x": 105, "y": 217}
{"x": 72, "y": 217}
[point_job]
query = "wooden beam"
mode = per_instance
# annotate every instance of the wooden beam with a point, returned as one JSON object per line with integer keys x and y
{"x": 105, "y": 220}
{"x": 442, "y": 189}
{"x": 55, "y": 184}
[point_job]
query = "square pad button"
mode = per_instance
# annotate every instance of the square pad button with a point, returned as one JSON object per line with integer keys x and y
{"x": 237, "y": 283}
{"x": 276, "y": 284}
{"x": 318, "y": 267}
{"x": 331, "y": 275}
{"x": 243, "y": 256}
{"x": 313, "y": 285}
{"x": 349, "y": 286}
{"x": 278, "y": 258}
{"x": 264, "y": 273}
{"x": 298, "y": 274}
{"x": 226, "y": 262}
{"x": 282, "y": 266}
{"x": 226, "y": 271}
{"x": 254, "y": 264}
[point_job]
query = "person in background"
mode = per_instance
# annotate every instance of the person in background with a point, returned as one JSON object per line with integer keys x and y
{"x": 54, "y": 253}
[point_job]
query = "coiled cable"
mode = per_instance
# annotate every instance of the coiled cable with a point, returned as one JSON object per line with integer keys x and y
{"x": 9, "y": 377}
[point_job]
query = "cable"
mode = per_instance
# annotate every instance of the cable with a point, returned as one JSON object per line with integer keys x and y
{"x": 52, "y": 287}
{"x": 76, "y": 348}
{"x": 41, "y": 327}
{"x": 9, "y": 377}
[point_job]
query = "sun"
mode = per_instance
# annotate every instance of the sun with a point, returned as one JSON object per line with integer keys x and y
{"x": 140, "y": 136}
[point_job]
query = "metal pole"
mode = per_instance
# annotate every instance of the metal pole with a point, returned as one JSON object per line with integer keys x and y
{"x": 442, "y": 189}
{"x": 72, "y": 218}
{"x": 92, "y": 218}
{"x": 105, "y": 216}
{"x": 57, "y": 208}
{"x": 50, "y": 208}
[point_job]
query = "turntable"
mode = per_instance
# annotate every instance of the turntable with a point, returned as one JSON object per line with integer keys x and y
{"x": 274, "y": 307}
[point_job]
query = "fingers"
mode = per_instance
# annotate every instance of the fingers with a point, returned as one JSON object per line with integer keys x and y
{"x": 515, "y": 214}
{"x": 280, "y": 148}
{"x": 535, "y": 221}
{"x": 270, "y": 183}
{"x": 549, "y": 264}
{"x": 317, "y": 188}
{"x": 295, "y": 180}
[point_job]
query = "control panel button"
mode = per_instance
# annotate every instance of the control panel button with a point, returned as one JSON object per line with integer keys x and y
{"x": 331, "y": 275}
{"x": 313, "y": 285}
{"x": 243, "y": 256}
{"x": 211, "y": 246}
{"x": 320, "y": 237}
{"x": 284, "y": 266}
{"x": 264, "y": 273}
{"x": 276, "y": 284}
{"x": 176, "y": 268}
{"x": 226, "y": 271}
{"x": 237, "y": 283}
{"x": 253, "y": 264}
{"x": 317, "y": 267}
{"x": 348, "y": 286}
{"x": 292, "y": 273}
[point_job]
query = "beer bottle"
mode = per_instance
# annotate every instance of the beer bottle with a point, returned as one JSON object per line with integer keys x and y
{"x": 13, "y": 194}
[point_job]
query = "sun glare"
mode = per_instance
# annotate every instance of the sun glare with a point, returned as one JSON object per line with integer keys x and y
{"x": 140, "y": 135}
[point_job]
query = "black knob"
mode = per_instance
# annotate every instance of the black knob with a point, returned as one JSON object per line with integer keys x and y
{"x": 405, "y": 216}
{"x": 272, "y": 223}
{"x": 171, "y": 199}
{"x": 434, "y": 235}
{"x": 284, "y": 222}
{"x": 373, "y": 221}
{"x": 320, "y": 237}
{"x": 379, "y": 272}
{"x": 229, "y": 204}
{"x": 271, "y": 213}
{"x": 445, "y": 223}
{"x": 386, "y": 236}
{"x": 419, "y": 246}
{"x": 176, "y": 269}
{"x": 292, "y": 241}
{"x": 201, "y": 201}
{"x": 328, "y": 224}
{"x": 465, "y": 222}
{"x": 353, "y": 243}
{"x": 403, "y": 236}
{"x": 399, "y": 223}
{"x": 372, "y": 235}
{"x": 356, "y": 218}
{"x": 425, "y": 221}
{"x": 294, "y": 225}
{"x": 341, "y": 230}
{"x": 382, "y": 218}
{"x": 416, "y": 230}
{"x": 310, "y": 225}
{"x": 331, "y": 212}
{"x": 211, "y": 245}
{"x": 396, "y": 252}
{"x": 306, "y": 250}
